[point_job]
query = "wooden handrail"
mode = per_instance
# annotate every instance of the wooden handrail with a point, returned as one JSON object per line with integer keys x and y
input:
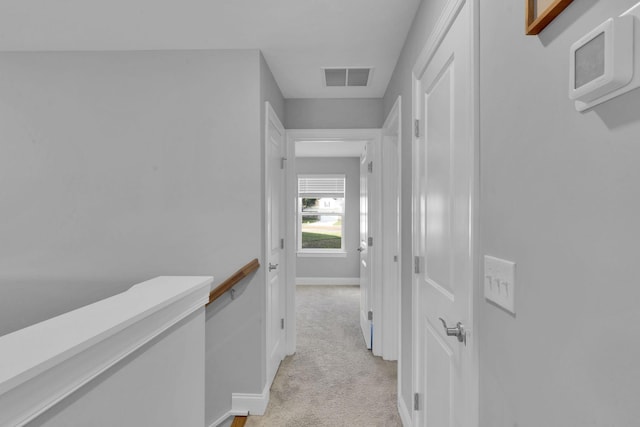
{"x": 233, "y": 279}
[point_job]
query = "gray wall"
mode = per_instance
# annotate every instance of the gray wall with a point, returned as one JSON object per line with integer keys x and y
{"x": 335, "y": 266}
{"x": 236, "y": 365}
{"x": 560, "y": 197}
{"x": 400, "y": 84}
{"x": 364, "y": 113}
{"x": 269, "y": 91}
{"x": 117, "y": 167}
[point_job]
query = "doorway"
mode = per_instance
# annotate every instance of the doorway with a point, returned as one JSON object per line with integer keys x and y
{"x": 334, "y": 142}
{"x": 445, "y": 188}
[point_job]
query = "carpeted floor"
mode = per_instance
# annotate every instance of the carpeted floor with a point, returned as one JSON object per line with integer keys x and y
{"x": 332, "y": 379}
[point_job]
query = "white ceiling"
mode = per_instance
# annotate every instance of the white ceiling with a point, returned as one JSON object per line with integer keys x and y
{"x": 297, "y": 37}
{"x": 329, "y": 148}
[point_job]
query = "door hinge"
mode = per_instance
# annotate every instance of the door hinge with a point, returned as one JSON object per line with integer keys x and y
{"x": 370, "y": 166}
{"x": 281, "y": 243}
{"x": 416, "y": 402}
{"x": 281, "y": 323}
{"x": 416, "y": 264}
{"x": 370, "y": 241}
{"x": 416, "y": 129}
{"x": 282, "y": 160}
{"x": 370, "y": 315}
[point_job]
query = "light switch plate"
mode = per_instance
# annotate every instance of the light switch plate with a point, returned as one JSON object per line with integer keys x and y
{"x": 499, "y": 282}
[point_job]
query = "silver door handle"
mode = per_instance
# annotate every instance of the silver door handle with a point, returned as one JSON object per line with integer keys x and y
{"x": 360, "y": 249}
{"x": 272, "y": 266}
{"x": 458, "y": 331}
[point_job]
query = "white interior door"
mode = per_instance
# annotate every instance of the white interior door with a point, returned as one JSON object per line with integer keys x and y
{"x": 391, "y": 234}
{"x": 275, "y": 182}
{"x": 365, "y": 264}
{"x": 444, "y": 183}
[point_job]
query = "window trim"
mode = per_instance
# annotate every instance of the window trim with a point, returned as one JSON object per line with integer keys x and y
{"x": 320, "y": 252}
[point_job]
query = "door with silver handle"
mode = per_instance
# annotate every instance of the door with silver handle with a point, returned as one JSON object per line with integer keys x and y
{"x": 458, "y": 331}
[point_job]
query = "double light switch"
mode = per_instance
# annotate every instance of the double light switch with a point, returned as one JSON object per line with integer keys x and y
{"x": 499, "y": 282}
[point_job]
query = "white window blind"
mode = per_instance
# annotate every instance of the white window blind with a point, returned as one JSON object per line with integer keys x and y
{"x": 325, "y": 186}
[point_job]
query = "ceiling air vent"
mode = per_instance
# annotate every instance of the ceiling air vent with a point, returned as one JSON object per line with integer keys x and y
{"x": 335, "y": 76}
{"x": 346, "y": 77}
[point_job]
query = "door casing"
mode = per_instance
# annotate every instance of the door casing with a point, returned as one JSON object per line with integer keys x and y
{"x": 366, "y": 255}
{"x": 391, "y": 162}
{"x": 319, "y": 135}
{"x": 441, "y": 28}
{"x": 274, "y": 310}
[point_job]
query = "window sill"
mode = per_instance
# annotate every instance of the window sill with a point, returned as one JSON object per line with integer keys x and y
{"x": 322, "y": 254}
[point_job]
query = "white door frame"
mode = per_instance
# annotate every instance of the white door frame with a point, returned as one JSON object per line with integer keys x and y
{"x": 319, "y": 135}
{"x": 391, "y": 234}
{"x": 272, "y": 118}
{"x": 366, "y": 255}
{"x": 441, "y": 28}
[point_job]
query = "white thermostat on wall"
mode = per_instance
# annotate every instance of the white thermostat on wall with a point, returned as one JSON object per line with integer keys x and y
{"x": 602, "y": 62}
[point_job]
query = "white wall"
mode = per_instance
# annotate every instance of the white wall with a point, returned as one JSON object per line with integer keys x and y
{"x": 400, "y": 84}
{"x": 560, "y": 197}
{"x": 336, "y": 267}
{"x": 120, "y": 166}
{"x": 347, "y": 113}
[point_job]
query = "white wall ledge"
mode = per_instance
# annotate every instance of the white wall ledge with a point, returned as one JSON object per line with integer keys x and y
{"x": 321, "y": 254}
{"x": 42, "y": 364}
{"x": 314, "y": 281}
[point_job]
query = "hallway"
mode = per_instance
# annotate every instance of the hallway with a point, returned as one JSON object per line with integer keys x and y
{"x": 332, "y": 379}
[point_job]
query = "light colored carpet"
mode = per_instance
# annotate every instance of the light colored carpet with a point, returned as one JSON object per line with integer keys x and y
{"x": 332, "y": 379}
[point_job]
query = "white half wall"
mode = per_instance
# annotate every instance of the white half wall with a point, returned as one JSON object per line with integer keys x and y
{"x": 121, "y": 361}
{"x": 160, "y": 385}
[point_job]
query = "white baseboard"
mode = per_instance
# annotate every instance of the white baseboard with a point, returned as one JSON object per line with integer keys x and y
{"x": 246, "y": 404}
{"x": 405, "y": 415}
{"x": 348, "y": 281}
{"x": 253, "y": 404}
{"x": 224, "y": 417}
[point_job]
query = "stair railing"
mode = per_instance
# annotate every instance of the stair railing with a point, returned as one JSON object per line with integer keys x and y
{"x": 233, "y": 280}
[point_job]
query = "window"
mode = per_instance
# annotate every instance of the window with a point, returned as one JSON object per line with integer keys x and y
{"x": 321, "y": 210}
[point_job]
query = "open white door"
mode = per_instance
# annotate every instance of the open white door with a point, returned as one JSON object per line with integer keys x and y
{"x": 366, "y": 312}
{"x": 445, "y": 360}
{"x": 390, "y": 283}
{"x": 275, "y": 297}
